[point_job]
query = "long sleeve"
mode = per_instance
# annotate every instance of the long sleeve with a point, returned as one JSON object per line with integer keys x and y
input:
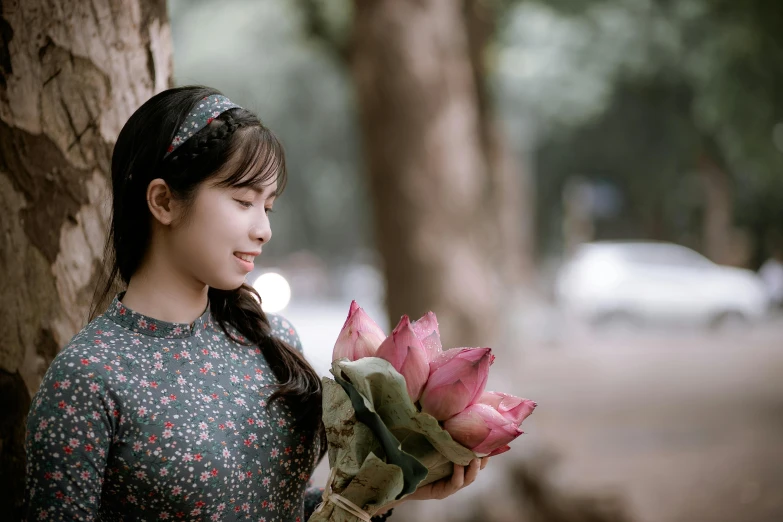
{"x": 69, "y": 431}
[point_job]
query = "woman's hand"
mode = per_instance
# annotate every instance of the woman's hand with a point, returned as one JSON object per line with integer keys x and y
{"x": 463, "y": 476}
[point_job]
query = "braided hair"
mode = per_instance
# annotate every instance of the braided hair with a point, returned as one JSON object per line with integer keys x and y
{"x": 233, "y": 150}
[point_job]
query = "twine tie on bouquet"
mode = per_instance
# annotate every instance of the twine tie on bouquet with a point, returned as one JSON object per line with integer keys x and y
{"x": 341, "y": 501}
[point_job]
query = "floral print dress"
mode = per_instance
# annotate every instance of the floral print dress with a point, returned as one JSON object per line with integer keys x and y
{"x": 140, "y": 419}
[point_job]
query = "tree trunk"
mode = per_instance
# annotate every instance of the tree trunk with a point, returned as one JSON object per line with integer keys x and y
{"x": 418, "y": 105}
{"x": 71, "y": 73}
{"x": 718, "y": 227}
{"x": 722, "y": 241}
{"x": 508, "y": 207}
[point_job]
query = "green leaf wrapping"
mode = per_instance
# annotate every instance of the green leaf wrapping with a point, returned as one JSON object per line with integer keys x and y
{"x": 358, "y": 474}
{"x": 383, "y": 391}
{"x": 413, "y": 471}
{"x": 381, "y": 448}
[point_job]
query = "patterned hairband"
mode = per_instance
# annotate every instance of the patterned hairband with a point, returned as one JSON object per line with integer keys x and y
{"x": 202, "y": 114}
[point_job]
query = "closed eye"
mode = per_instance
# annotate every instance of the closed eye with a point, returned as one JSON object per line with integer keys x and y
{"x": 246, "y": 204}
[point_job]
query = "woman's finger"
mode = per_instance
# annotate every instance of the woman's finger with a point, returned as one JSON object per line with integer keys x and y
{"x": 484, "y": 461}
{"x": 472, "y": 472}
{"x": 458, "y": 477}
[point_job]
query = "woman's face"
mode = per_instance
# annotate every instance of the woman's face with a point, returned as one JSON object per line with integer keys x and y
{"x": 223, "y": 232}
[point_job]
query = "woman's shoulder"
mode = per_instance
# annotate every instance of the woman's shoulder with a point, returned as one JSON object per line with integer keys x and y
{"x": 284, "y": 330}
{"x": 87, "y": 353}
{"x": 92, "y": 342}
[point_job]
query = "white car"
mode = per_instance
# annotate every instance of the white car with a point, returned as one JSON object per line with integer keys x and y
{"x": 650, "y": 282}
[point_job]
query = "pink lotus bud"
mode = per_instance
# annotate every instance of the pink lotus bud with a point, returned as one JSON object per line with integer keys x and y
{"x": 514, "y": 409}
{"x": 481, "y": 428}
{"x": 498, "y": 451}
{"x": 360, "y": 336}
{"x": 457, "y": 378}
{"x": 426, "y": 329}
{"x": 406, "y": 353}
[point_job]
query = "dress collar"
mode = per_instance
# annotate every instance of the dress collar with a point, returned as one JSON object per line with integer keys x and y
{"x": 143, "y": 324}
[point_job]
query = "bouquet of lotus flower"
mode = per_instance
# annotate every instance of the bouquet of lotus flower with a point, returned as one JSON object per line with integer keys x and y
{"x": 401, "y": 411}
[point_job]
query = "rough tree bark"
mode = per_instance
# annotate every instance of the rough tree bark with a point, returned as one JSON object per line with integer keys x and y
{"x": 71, "y": 73}
{"x": 422, "y": 131}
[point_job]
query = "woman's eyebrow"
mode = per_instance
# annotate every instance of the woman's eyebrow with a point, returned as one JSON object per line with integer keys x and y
{"x": 262, "y": 189}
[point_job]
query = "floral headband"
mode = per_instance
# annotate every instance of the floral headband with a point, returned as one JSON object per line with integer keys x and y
{"x": 209, "y": 108}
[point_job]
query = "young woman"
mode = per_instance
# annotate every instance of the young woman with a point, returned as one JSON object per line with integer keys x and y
{"x": 183, "y": 400}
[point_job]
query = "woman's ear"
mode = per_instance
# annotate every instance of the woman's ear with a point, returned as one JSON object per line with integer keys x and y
{"x": 160, "y": 201}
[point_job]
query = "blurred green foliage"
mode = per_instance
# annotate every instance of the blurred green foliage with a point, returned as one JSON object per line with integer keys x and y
{"x": 629, "y": 93}
{"x": 634, "y": 92}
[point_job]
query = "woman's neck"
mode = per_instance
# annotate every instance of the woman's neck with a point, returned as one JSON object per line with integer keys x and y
{"x": 159, "y": 291}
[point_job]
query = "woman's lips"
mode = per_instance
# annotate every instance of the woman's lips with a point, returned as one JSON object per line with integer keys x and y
{"x": 246, "y": 259}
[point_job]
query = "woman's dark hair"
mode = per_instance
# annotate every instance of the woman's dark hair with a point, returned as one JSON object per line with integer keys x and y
{"x": 256, "y": 157}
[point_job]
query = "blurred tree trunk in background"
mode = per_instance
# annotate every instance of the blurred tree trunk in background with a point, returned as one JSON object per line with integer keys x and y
{"x": 718, "y": 210}
{"x": 422, "y": 146}
{"x": 442, "y": 180}
{"x": 70, "y": 76}
{"x": 452, "y": 208}
{"x": 509, "y": 205}
{"x": 723, "y": 242}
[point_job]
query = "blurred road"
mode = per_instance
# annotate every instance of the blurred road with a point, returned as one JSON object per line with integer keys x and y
{"x": 682, "y": 426}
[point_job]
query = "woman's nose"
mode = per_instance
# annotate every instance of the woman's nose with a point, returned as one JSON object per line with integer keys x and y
{"x": 262, "y": 231}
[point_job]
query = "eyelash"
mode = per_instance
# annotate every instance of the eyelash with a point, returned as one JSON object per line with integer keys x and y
{"x": 248, "y": 204}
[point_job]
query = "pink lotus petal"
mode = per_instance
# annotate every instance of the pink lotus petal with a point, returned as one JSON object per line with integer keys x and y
{"x": 515, "y": 409}
{"x": 447, "y": 400}
{"x": 499, "y": 450}
{"x": 457, "y": 377}
{"x": 360, "y": 336}
{"x": 498, "y": 437}
{"x": 427, "y": 330}
{"x": 481, "y": 428}
{"x": 461, "y": 358}
{"x": 406, "y": 353}
{"x": 468, "y": 427}
{"x": 415, "y": 369}
{"x": 432, "y": 345}
{"x": 352, "y": 310}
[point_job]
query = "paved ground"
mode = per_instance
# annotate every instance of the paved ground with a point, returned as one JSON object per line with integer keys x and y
{"x": 681, "y": 426}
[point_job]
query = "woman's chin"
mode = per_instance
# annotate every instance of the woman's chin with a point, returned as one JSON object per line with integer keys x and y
{"x": 228, "y": 284}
